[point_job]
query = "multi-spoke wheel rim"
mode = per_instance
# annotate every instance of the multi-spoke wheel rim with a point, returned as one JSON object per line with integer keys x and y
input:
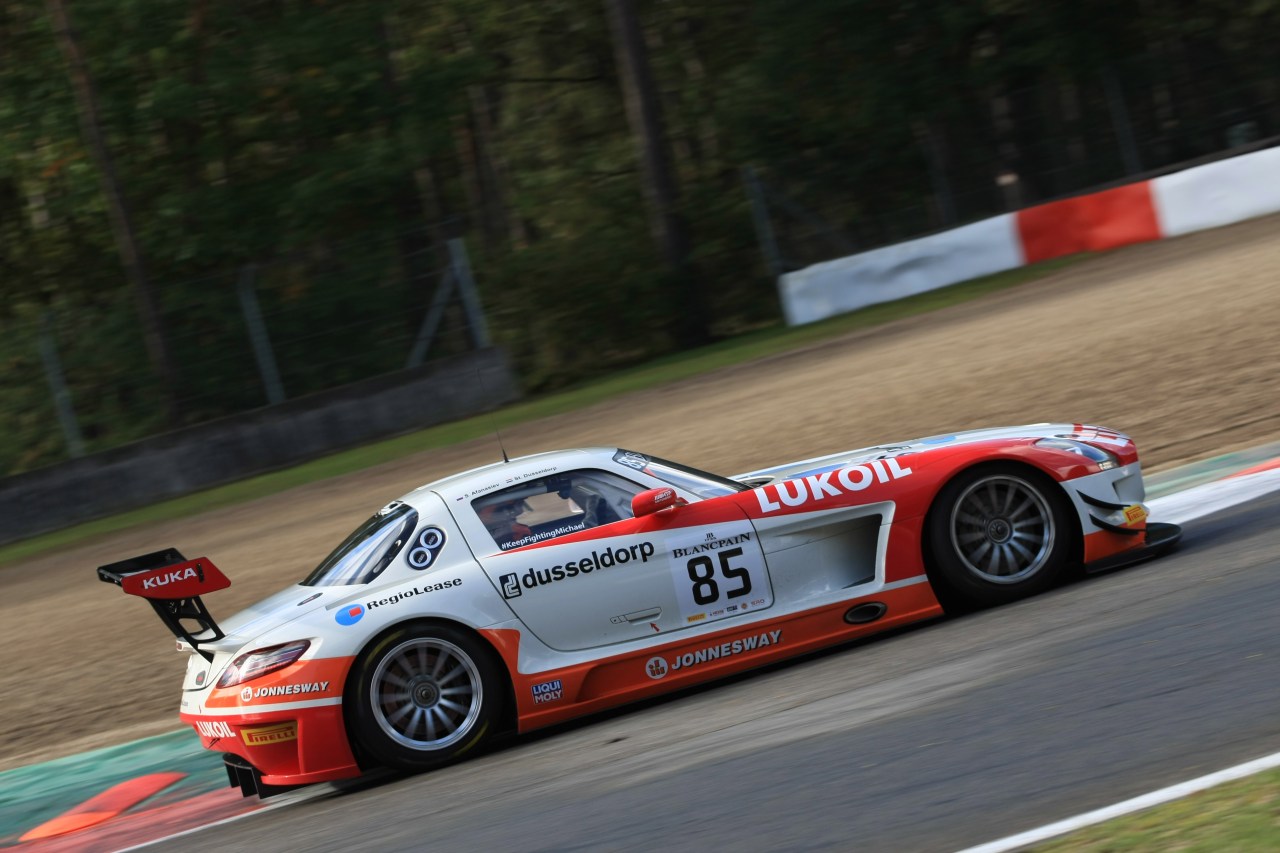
{"x": 426, "y": 694}
{"x": 1002, "y": 529}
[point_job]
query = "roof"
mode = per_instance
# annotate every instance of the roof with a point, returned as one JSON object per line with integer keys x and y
{"x": 498, "y": 475}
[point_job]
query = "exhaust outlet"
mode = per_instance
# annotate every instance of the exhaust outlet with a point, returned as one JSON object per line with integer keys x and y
{"x": 868, "y": 611}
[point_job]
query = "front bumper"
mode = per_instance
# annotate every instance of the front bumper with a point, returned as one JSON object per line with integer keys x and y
{"x": 1112, "y": 517}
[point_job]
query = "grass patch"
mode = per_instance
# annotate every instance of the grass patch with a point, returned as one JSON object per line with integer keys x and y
{"x": 662, "y": 371}
{"x": 1240, "y": 816}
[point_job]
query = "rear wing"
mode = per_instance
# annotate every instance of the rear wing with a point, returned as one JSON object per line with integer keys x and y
{"x": 173, "y": 585}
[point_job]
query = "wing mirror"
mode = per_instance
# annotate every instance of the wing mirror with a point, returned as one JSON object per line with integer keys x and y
{"x": 654, "y": 500}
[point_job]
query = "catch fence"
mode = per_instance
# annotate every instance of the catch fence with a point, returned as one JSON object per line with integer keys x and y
{"x": 77, "y": 377}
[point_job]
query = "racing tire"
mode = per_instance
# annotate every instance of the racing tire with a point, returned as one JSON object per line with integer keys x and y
{"x": 423, "y": 695}
{"x": 997, "y": 533}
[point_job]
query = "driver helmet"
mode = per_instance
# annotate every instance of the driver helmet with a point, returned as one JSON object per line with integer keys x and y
{"x": 503, "y": 514}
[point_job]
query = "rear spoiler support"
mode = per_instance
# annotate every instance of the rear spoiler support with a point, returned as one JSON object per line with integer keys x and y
{"x": 172, "y": 584}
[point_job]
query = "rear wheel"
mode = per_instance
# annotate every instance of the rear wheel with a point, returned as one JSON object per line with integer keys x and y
{"x": 997, "y": 533}
{"x": 423, "y": 695}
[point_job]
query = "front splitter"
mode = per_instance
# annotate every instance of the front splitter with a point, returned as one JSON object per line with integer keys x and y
{"x": 1162, "y": 538}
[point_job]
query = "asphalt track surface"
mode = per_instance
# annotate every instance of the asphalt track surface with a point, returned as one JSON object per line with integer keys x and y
{"x": 937, "y": 737}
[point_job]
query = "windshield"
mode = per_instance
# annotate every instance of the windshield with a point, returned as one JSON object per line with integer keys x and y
{"x": 683, "y": 477}
{"x": 365, "y": 553}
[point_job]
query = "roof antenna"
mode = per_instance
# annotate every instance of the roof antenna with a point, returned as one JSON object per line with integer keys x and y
{"x": 500, "y": 447}
{"x": 497, "y": 432}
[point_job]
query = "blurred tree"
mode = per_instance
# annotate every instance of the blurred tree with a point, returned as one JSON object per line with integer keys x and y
{"x": 321, "y": 152}
{"x": 644, "y": 112}
{"x": 121, "y": 218}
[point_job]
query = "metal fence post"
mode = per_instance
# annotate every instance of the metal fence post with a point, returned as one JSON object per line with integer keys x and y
{"x": 258, "y": 335}
{"x": 461, "y": 265}
{"x": 936, "y": 160}
{"x": 427, "y": 331}
{"x": 764, "y": 225}
{"x": 58, "y": 384}
{"x": 1120, "y": 121}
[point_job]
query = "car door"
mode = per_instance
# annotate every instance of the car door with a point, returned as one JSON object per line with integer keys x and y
{"x": 590, "y": 575}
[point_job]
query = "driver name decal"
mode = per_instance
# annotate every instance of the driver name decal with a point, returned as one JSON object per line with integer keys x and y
{"x": 657, "y": 667}
{"x": 513, "y": 584}
{"x": 833, "y": 484}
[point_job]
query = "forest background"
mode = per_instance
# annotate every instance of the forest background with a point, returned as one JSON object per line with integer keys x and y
{"x": 628, "y": 177}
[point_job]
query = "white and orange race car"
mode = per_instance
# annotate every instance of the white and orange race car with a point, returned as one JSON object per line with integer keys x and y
{"x": 529, "y": 592}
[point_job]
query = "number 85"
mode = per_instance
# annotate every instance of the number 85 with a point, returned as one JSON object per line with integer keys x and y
{"x": 703, "y": 574}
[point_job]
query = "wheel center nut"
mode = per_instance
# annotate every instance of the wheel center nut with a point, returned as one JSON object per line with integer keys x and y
{"x": 998, "y": 530}
{"x": 425, "y": 694}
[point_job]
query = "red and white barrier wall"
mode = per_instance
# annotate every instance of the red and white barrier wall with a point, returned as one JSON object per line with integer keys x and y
{"x": 1207, "y": 196}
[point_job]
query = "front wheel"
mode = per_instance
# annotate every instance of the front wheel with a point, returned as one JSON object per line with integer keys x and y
{"x": 997, "y": 533}
{"x": 423, "y": 695}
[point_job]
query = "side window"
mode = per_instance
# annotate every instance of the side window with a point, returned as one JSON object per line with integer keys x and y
{"x": 555, "y": 505}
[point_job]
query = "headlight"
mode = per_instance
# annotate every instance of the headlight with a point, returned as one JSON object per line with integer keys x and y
{"x": 259, "y": 662}
{"x": 1102, "y": 458}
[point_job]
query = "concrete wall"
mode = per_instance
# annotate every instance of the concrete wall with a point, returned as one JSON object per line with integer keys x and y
{"x": 196, "y": 458}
